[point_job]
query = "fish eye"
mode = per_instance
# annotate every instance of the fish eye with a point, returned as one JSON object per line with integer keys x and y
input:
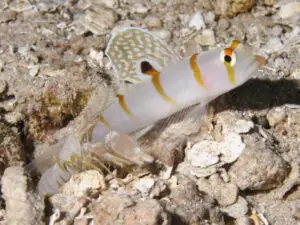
{"x": 225, "y": 57}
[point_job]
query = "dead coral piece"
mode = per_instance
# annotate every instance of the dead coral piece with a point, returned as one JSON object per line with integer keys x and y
{"x": 258, "y": 167}
{"x": 23, "y": 206}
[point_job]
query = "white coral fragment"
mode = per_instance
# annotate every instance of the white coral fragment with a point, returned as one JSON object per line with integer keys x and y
{"x": 197, "y": 21}
{"x": 208, "y": 153}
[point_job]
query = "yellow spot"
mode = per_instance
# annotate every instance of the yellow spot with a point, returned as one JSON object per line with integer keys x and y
{"x": 196, "y": 70}
{"x": 124, "y": 106}
{"x": 102, "y": 120}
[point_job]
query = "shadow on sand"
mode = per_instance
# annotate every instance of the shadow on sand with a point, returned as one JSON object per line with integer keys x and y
{"x": 257, "y": 94}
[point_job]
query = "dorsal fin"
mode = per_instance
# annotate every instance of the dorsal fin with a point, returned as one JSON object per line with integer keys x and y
{"x": 129, "y": 48}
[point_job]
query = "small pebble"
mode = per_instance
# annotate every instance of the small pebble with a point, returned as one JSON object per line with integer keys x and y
{"x": 275, "y": 116}
{"x": 3, "y": 86}
{"x": 144, "y": 185}
{"x": 243, "y": 126}
{"x": 80, "y": 183}
{"x": 209, "y": 17}
{"x": 6, "y": 16}
{"x": 238, "y": 209}
{"x": 34, "y": 70}
{"x": 206, "y": 38}
{"x": 204, "y": 153}
{"x": 296, "y": 74}
{"x": 289, "y": 10}
{"x": 225, "y": 193}
{"x": 1, "y": 65}
{"x": 223, "y": 24}
{"x": 140, "y": 8}
{"x": 153, "y": 22}
{"x": 273, "y": 45}
{"x": 162, "y": 34}
{"x": 245, "y": 220}
{"x": 96, "y": 57}
{"x": 197, "y": 21}
{"x": 276, "y": 30}
{"x": 112, "y": 4}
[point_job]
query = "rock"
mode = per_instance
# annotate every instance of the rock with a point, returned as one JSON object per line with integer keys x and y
{"x": 243, "y": 126}
{"x": 238, "y": 209}
{"x": 229, "y": 121}
{"x": 159, "y": 189}
{"x": 232, "y": 7}
{"x": 197, "y": 21}
{"x": 290, "y": 9}
{"x": 11, "y": 148}
{"x": 3, "y": 85}
{"x": 206, "y": 38}
{"x": 275, "y": 116}
{"x": 113, "y": 208}
{"x": 162, "y": 34}
{"x": 144, "y": 212}
{"x": 67, "y": 206}
{"x": 98, "y": 20}
{"x": 34, "y": 70}
{"x": 144, "y": 185}
{"x": 112, "y": 4}
{"x": 80, "y": 183}
{"x": 139, "y": 8}
{"x": 223, "y": 24}
{"x": 152, "y": 21}
{"x": 258, "y": 167}
{"x": 6, "y": 16}
{"x": 231, "y": 147}
{"x": 96, "y": 58}
{"x": 108, "y": 207}
{"x": 210, "y": 17}
{"x": 188, "y": 206}
{"x": 273, "y": 45}
{"x": 23, "y": 206}
{"x": 187, "y": 169}
{"x": 296, "y": 74}
{"x": 204, "y": 153}
{"x": 245, "y": 220}
{"x": 225, "y": 193}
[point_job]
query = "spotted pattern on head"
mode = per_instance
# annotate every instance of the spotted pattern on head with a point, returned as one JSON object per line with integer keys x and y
{"x": 228, "y": 54}
{"x": 196, "y": 70}
{"x": 130, "y": 46}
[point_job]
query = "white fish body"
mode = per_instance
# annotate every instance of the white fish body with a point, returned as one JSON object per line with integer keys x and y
{"x": 163, "y": 85}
